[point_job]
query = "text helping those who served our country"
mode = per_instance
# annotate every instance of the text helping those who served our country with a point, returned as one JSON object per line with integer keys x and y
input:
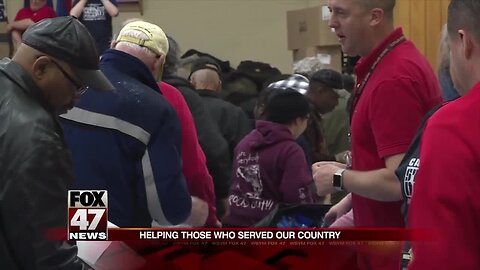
{"x": 243, "y": 235}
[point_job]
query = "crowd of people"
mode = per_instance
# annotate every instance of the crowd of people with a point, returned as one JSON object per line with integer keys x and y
{"x": 132, "y": 117}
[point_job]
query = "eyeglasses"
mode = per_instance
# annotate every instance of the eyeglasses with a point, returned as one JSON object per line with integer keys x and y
{"x": 80, "y": 88}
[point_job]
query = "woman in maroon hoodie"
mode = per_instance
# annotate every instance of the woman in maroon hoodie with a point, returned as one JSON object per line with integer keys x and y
{"x": 269, "y": 167}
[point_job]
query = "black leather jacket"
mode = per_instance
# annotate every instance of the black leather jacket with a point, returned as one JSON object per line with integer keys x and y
{"x": 35, "y": 174}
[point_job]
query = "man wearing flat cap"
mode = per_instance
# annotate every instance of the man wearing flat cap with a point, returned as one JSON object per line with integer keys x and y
{"x": 53, "y": 66}
{"x": 327, "y": 93}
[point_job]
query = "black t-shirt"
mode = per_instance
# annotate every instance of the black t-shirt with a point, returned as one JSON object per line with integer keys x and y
{"x": 408, "y": 167}
{"x": 97, "y": 20}
{"x": 406, "y": 172}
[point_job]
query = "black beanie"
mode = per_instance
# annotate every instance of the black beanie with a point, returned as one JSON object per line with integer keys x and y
{"x": 284, "y": 106}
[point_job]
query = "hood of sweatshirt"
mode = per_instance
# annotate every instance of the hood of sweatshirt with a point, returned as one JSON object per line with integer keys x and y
{"x": 268, "y": 133}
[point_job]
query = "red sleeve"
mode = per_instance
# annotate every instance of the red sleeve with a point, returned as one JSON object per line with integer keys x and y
{"x": 44, "y": 13}
{"x": 199, "y": 180}
{"x": 396, "y": 111}
{"x": 446, "y": 200}
{"x": 296, "y": 178}
{"x": 23, "y": 13}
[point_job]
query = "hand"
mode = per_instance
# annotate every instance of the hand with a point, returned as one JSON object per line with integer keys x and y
{"x": 199, "y": 213}
{"x": 323, "y": 177}
{"x": 334, "y": 163}
{"x": 9, "y": 27}
{"x": 338, "y": 210}
{"x": 344, "y": 157}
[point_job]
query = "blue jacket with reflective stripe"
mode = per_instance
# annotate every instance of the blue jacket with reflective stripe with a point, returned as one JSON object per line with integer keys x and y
{"x": 128, "y": 142}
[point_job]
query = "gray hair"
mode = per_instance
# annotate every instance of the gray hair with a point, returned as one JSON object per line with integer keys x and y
{"x": 444, "y": 51}
{"x": 307, "y": 66}
{"x": 172, "y": 60}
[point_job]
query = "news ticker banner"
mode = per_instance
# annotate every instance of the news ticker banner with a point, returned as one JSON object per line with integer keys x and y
{"x": 256, "y": 234}
{"x": 88, "y": 221}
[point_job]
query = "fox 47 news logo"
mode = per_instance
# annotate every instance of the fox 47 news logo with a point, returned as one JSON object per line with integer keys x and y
{"x": 87, "y": 215}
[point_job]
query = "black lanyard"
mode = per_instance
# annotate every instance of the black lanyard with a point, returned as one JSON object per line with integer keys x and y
{"x": 358, "y": 91}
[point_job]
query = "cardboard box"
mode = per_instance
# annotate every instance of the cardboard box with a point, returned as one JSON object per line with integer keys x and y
{"x": 309, "y": 28}
{"x": 330, "y": 56}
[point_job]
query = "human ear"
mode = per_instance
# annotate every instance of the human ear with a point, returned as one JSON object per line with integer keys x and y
{"x": 377, "y": 15}
{"x": 40, "y": 67}
{"x": 467, "y": 43}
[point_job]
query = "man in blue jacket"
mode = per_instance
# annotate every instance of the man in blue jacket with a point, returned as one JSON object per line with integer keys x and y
{"x": 128, "y": 142}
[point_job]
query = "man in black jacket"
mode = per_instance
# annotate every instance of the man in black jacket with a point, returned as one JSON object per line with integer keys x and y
{"x": 52, "y": 67}
{"x": 230, "y": 119}
{"x": 209, "y": 135}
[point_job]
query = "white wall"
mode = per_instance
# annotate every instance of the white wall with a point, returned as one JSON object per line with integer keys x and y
{"x": 12, "y": 7}
{"x": 233, "y": 30}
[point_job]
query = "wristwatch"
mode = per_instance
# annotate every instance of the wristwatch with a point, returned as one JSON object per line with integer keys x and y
{"x": 338, "y": 179}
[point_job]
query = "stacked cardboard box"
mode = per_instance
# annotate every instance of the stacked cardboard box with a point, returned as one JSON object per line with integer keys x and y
{"x": 309, "y": 35}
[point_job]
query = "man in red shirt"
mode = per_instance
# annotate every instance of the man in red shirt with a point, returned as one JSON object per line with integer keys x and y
{"x": 35, "y": 12}
{"x": 199, "y": 180}
{"x": 396, "y": 87}
{"x": 446, "y": 192}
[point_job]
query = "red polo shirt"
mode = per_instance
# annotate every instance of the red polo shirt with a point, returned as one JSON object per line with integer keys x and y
{"x": 43, "y": 13}
{"x": 401, "y": 90}
{"x": 446, "y": 193}
{"x": 194, "y": 168}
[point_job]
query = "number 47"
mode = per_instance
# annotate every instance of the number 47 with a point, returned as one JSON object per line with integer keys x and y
{"x": 80, "y": 218}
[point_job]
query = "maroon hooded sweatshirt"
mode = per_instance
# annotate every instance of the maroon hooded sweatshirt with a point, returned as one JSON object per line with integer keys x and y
{"x": 269, "y": 167}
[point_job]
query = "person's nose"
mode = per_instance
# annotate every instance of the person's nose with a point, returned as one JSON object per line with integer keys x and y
{"x": 333, "y": 22}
